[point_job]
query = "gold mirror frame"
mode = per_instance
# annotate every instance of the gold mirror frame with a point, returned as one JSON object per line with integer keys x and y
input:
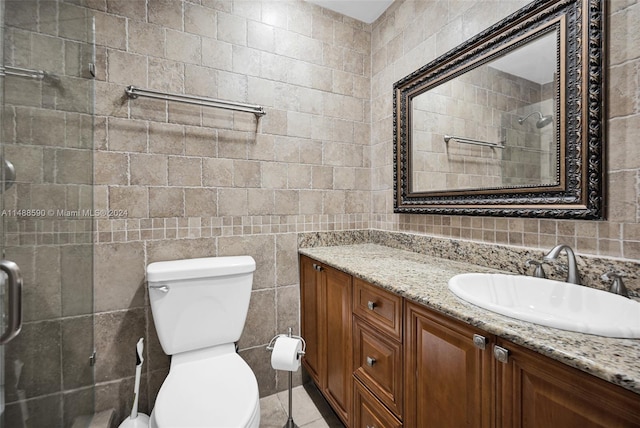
{"x": 579, "y": 190}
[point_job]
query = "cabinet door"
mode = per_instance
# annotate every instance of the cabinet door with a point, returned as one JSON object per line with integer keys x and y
{"x": 311, "y": 315}
{"x": 536, "y": 391}
{"x": 338, "y": 385}
{"x": 449, "y": 380}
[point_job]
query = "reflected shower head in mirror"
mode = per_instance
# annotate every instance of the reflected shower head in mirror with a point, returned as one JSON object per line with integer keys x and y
{"x": 542, "y": 120}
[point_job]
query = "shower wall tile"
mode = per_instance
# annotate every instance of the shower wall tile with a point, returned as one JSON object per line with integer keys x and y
{"x": 116, "y": 335}
{"x": 118, "y": 395}
{"x": 43, "y": 297}
{"x": 32, "y": 374}
{"x": 119, "y": 276}
{"x": 77, "y": 346}
{"x": 42, "y": 411}
{"x": 76, "y": 267}
{"x": 78, "y": 406}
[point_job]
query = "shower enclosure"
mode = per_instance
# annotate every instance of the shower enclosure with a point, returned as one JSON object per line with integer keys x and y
{"x": 46, "y": 166}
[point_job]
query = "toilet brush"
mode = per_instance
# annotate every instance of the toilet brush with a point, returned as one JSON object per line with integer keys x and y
{"x": 137, "y": 420}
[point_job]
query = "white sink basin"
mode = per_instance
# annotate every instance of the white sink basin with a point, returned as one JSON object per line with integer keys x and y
{"x": 551, "y": 303}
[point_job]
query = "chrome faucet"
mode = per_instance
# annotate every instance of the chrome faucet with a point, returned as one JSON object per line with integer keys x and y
{"x": 573, "y": 276}
{"x": 539, "y": 270}
{"x": 617, "y": 285}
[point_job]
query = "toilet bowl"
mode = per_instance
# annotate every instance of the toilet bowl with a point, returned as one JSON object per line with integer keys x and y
{"x": 199, "y": 307}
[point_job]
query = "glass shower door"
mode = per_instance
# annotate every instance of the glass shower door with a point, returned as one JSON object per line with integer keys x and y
{"x": 46, "y": 117}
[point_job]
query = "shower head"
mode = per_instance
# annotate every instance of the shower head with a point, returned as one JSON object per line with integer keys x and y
{"x": 542, "y": 121}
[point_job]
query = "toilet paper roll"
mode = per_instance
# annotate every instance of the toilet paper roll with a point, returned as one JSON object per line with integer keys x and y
{"x": 285, "y": 354}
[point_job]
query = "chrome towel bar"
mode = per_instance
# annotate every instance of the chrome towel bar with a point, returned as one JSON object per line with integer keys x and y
{"x": 465, "y": 140}
{"x": 133, "y": 92}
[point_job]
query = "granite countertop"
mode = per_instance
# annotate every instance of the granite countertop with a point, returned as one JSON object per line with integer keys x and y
{"x": 423, "y": 279}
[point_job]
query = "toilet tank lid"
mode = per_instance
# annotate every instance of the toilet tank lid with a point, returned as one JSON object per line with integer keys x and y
{"x": 200, "y": 268}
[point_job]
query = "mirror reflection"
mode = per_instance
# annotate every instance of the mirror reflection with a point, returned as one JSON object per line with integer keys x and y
{"x": 494, "y": 126}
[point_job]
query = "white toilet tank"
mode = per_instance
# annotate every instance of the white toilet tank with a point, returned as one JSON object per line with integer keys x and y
{"x": 200, "y": 303}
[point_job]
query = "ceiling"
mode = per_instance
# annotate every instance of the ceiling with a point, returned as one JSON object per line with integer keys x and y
{"x": 535, "y": 61}
{"x": 362, "y": 10}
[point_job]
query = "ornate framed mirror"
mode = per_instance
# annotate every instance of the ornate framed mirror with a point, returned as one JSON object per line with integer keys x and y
{"x": 509, "y": 123}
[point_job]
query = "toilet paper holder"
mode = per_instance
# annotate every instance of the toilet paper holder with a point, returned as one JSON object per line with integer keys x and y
{"x": 290, "y": 423}
{"x": 289, "y": 334}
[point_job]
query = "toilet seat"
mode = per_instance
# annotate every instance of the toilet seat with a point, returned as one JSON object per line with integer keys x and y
{"x": 215, "y": 392}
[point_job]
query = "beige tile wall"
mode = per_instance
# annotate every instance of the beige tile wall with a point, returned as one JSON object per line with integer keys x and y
{"x": 412, "y": 33}
{"x": 188, "y": 182}
{"x": 185, "y": 181}
{"x": 46, "y": 127}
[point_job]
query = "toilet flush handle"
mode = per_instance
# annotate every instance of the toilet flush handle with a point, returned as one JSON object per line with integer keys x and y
{"x": 164, "y": 288}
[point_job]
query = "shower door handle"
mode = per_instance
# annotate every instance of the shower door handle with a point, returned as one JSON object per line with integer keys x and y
{"x": 14, "y": 315}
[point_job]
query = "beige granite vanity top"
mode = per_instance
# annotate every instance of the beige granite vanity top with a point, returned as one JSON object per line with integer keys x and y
{"x": 423, "y": 279}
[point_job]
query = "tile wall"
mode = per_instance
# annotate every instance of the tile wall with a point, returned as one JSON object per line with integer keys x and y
{"x": 412, "y": 33}
{"x": 47, "y": 135}
{"x": 184, "y": 181}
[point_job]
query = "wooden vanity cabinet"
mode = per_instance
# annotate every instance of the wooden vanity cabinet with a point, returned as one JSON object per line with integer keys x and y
{"x": 433, "y": 371}
{"x": 326, "y": 318}
{"x": 536, "y": 391}
{"x": 449, "y": 372}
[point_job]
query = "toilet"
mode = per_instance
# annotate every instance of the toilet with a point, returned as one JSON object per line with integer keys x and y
{"x": 199, "y": 309}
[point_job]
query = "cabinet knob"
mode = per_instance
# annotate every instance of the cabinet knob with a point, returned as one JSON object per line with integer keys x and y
{"x": 371, "y": 305}
{"x": 479, "y": 342}
{"x": 371, "y": 361}
{"x": 501, "y": 354}
{"x": 317, "y": 267}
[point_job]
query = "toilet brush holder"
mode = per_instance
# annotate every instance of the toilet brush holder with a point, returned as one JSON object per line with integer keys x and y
{"x": 135, "y": 419}
{"x": 296, "y": 353}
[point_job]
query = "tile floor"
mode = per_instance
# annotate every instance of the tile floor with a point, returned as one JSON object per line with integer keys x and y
{"x": 310, "y": 410}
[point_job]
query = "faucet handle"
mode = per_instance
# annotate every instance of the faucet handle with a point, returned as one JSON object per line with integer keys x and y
{"x": 617, "y": 285}
{"x": 539, "y": 270}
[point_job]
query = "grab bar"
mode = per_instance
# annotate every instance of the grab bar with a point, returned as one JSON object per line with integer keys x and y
{"x": 133, "y": 92}
{"x": 14, "y": 316}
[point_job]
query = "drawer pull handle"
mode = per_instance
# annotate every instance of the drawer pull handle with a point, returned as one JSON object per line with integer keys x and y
{"x": 371, "y": 361}
{"x": 371, "y": 305}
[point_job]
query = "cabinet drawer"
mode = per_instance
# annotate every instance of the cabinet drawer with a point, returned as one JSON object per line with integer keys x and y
{"x": 369, "y": 412}
{"x": 379, "y": 307}
{"x": 377, "y": 362}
